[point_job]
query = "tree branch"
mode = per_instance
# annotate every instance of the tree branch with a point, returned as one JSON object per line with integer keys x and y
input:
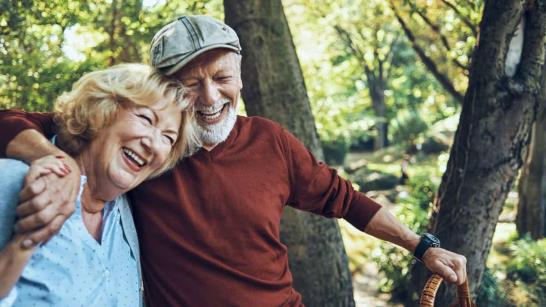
{"x": 390, "y": 56}
{"x": 346, "y": 38}
{"x": 443, "y": 38}
{"x": 464, "y": 18}
{"x": 427, "y": 61}
{"x": 532, "y": 56}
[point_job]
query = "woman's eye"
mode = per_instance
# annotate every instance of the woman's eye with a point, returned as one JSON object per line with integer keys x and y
{"x": 146, "y": 118}
{"x": 169, "y": 139}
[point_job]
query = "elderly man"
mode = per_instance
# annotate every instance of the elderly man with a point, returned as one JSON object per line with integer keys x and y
{"x": 209, "y": 230}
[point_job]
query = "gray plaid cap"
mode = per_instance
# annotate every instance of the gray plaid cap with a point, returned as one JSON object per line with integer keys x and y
{"x": 184, "y": 39}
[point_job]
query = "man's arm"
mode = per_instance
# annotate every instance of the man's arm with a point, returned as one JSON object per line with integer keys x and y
{"x": 46, "y": 200}
{"x": 13, "y": 122}
{"x": 449, "y": 265}
{"x": 320, "y": 190}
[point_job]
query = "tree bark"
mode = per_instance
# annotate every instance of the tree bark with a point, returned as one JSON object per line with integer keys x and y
{"x": 491, "y": 139}
{"x": 377, "y": 94}
{"x": 112, "y": 33}
{"x": 532, "y": 185}
{"x": 274, "y": 88}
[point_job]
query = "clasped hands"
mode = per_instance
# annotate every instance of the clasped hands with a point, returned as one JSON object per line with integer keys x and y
{"x": 47, "y": 199}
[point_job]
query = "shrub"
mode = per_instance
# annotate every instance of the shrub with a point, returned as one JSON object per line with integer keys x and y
{"x": 412, "y": 210}
{"x": 526, "y": 267}
{"x": 433, "y": 145}
{"x": 407, "y": 127}
{"x": 335, "y": 151}
{"x": 490, "y": 292}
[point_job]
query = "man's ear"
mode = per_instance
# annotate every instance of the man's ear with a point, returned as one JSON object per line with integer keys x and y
{"x": 238, "y": 64}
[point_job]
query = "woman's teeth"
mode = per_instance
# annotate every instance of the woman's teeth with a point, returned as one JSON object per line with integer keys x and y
{"x": 133, "y": 156}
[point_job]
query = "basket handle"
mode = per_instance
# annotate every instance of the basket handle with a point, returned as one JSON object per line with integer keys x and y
{"x": 433, "y": 284}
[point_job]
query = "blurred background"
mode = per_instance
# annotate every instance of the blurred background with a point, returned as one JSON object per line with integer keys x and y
{"x": 385, "y": 80}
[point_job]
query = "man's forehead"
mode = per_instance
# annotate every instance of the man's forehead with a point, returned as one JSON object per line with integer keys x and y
{"x": 217, "y": 59}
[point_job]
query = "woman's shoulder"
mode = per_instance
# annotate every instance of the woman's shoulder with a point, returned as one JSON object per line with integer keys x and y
{"x": 12, "y": 173}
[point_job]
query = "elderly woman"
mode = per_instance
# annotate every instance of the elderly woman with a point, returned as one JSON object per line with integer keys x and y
{"x": 122, "y": 125}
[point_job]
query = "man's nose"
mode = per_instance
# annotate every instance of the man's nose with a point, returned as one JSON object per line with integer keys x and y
{"x": 210, "y": 93}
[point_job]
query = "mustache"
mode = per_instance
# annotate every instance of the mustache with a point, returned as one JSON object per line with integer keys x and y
{"x": 207, "y": 108}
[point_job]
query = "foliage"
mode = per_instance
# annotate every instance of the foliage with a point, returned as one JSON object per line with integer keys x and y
{"x": 526, "y": 268}
{"x": 432, "y": 145}
{"x": 373, "y": 180}
{"x": 490, "y": 292}
{"x": 335, "y": 76}
{"x": 407, "y": 127}
{"x": 412, "y": 210}
{"x": 33, "y": 69}
{"x": 47, "y": 45}
{"x": 446, "y": 31}
{"x": 335, "y": 151}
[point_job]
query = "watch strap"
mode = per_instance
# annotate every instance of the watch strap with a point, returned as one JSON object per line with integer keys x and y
{"x": 427, "y": 241}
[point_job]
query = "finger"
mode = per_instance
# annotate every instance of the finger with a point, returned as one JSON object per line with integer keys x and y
{"x": 459, "y": 267}
{"x": 35, "y": 173}
{"x": 31, "y": 190}
{"x": 37, "y": 220}
{"x": 44, "y": 234}
{"x": 60, "y": 168}
{"x": 34, "y": 205}
{"x": 27, "y": 243}
{"x": 447, "y": 273}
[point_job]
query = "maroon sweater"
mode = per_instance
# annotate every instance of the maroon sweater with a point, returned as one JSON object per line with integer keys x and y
{"x": 209, "y": 229}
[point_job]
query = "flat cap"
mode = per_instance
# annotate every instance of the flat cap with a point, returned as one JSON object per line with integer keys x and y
{"x": 184, "y": 39}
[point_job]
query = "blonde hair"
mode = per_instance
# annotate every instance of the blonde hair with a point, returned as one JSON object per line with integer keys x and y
{"x": 95, "y": 99}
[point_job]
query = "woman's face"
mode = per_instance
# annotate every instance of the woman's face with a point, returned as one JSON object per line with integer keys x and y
{"x": 135, "y": 145}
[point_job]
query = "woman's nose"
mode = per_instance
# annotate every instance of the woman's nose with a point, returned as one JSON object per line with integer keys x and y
{"x": 151, "y": 140}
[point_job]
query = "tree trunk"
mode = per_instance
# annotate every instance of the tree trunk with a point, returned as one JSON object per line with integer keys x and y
{"x": 112, "y": 33}
{"x": 532, "y": 185}
{"x": 377, "y": 94}
{"x": 274, "y": 88}
{"x": 492, "y": 136}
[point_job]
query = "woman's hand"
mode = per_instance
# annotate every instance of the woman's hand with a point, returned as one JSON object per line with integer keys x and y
{"x": 47, "y": 198}
{"x": 47, "y": 165}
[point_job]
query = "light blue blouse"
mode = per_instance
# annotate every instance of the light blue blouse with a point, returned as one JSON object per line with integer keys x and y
{"x": 73, "y": 269}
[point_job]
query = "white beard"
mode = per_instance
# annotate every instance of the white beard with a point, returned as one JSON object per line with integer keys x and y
{"x": 219, "y": 132}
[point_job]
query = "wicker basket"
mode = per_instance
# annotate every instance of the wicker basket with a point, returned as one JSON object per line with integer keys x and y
{"x": 431, "y": 287}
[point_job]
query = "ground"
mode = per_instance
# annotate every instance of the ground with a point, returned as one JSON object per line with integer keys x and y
{"x": 365, "y": 285}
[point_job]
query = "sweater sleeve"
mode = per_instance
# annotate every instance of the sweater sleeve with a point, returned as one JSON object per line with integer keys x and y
{"x": 317, "y": 188}
{"x": 12, "y": 122}
{"x": 11, "y": 182}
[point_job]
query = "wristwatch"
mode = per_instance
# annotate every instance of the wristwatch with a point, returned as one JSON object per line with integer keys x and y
{"x": 427, "y": 241}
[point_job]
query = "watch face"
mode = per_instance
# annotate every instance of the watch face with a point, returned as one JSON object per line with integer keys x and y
{"x": 435, "y": 242}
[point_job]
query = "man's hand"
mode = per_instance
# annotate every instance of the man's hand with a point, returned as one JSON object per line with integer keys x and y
{"x": 47, "y": 199}
{"x": 449, "y": 265}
